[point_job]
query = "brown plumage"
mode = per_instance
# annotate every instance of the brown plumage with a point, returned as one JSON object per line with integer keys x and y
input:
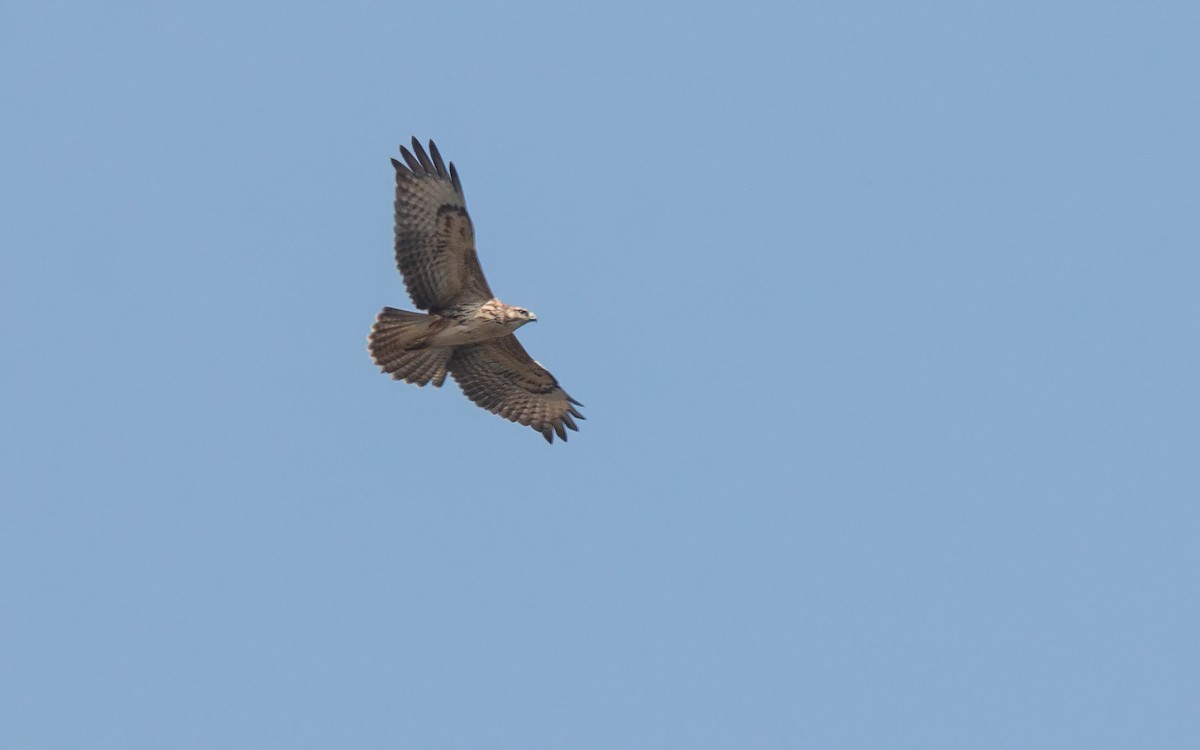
{"x": 467, "y": 332}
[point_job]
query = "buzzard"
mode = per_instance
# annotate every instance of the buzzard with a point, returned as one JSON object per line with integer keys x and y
{"x": 467, "y": 332}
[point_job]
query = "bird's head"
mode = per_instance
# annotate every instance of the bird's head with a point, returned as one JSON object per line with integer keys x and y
{"x": 521, "y": 316}
{"x": 518, "y": 316}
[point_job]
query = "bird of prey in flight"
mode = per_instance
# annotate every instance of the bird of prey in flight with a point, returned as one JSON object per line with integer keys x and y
{"x": 466, "y": 331}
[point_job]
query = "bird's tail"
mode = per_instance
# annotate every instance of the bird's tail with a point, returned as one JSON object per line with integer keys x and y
{"x": 398, "y": 344}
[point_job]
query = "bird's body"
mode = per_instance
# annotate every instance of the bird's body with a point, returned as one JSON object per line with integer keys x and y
{"x": 467, "y": 333}
{"x": 468, "y": 324}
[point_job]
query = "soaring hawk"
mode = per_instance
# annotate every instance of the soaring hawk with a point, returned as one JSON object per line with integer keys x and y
{"x": 467, "y": 331}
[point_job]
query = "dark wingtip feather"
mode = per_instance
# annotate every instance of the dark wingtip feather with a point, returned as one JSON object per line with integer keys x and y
{"x": 573, "y": 401}
{"x": 420, "y": 164}
{"x": 437, "y": 160}
{"x": 413, "y": 165}
{"x": 562, "y": 433}
{"x": 426, "y": 164}
{"x": 546, "y": 433}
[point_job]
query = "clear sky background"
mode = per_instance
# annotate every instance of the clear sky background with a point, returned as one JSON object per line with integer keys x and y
{"x": 885, "y": 317}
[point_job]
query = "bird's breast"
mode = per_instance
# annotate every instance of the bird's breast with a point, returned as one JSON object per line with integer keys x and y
{"x": 461, "y": 330}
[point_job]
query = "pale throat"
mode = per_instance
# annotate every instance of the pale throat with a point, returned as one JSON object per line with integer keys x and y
{"x": 496, "y": 312}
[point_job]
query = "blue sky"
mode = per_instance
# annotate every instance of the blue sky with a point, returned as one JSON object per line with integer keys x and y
{"x": 884, "y": 316}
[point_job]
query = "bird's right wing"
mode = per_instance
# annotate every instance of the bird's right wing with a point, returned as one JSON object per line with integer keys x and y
{"x": 435, "y": 242}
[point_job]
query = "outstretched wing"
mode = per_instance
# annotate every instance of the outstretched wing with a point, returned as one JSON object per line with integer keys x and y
{"x": 435, "y": 242}
{"x": 500, "y": 376}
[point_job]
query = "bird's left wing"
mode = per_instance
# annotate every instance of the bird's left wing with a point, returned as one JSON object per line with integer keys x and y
{"x": 500, "y": 376}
